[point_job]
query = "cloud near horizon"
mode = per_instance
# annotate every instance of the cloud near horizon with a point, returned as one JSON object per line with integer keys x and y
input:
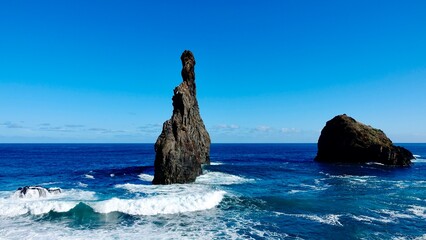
{"x": 9, "y": 124}
{"x": 225, "y": 127}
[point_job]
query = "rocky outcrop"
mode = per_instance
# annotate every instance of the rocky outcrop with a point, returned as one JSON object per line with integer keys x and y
{"x": 184, "y": 143}
{"x": 36, "y": 192}
{"x": 345, "y": 140}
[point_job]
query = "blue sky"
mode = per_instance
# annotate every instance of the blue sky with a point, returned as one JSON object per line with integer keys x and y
{"x": 267, "y": 71}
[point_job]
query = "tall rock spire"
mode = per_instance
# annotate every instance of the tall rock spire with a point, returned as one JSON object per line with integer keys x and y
{"x": 184, "y": 143}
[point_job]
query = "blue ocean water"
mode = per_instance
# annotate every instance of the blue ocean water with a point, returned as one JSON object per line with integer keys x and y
{"x": 250, "y": 191}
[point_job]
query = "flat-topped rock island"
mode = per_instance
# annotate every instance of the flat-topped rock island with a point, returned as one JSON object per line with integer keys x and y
{"x": 345, "y": 140}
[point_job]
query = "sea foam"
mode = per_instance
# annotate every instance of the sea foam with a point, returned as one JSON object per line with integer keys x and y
{"x": 216, "y": 163}
{"x": 168, "y": 204}
{"x": 419, "y": 211}
{"x": 171, "y": 199}
{"x": 219, "y": 178}
{"x": 88, "y": 176}
{"x": 330, "y": 219}
{"x": 14, "y": 205}
{"x": 146, "y": 177}
{"x": 418, "y": 160}
{"x": 183, "y": 199}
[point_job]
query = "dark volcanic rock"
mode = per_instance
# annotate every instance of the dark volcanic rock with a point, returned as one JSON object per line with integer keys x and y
{"x": 345, "y": 140}
{"x": 36, "y": 191}
{"x": 184, "y": 143}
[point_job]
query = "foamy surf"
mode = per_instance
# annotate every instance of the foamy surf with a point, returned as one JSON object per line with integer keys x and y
{"x": 153, "y": 190}
{"x": 80, "y": 184}
{"x": 348, "y": 176}
{"x": 171, "y": 199}
{"x": 418, "y": 160}
{"x": 146, "y": 177}
{"x": 163, "y": 204}
{"x": 216, "y": 163}
{"x": 163, "y": 199}
{"x": 375, "y": 163}
{"x": 330, "y": 219}
{"x": 14, "y": 205}
{"x": 183, "y": 199}
{"x": 88, "y": 176}
{"x": 308, "y": 188}
{"x": 418, "y": 211}
{"x": 369, "y": 219}
{"x": 218, "y": 178}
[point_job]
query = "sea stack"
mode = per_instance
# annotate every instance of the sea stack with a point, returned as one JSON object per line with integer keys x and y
{"x": 344, "y": 140}
{"x": 184, "y": 143}
{"x": 36, "y": 192}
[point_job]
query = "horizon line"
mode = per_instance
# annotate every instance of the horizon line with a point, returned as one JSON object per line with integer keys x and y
{"x": 154, "y": 143}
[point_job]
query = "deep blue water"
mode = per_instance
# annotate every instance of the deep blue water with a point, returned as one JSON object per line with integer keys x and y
{"x": 251, "y": 191}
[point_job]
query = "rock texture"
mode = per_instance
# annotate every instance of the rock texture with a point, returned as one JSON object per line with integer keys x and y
{"x": 184, "y": 143}
{"x": 36, "y": 192}
{"x": 345, "y": 140}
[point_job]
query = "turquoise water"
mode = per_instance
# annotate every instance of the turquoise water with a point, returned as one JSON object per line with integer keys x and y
{"x": 251, "y": 191}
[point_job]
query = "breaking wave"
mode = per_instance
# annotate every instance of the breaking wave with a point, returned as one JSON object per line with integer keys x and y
{"x": 14, "y": 205}
{"x": 219, "y": 178}
{"x": 146, "y": 177}
{"x": 161, "y": 204}
{"x": 171, "y": 203}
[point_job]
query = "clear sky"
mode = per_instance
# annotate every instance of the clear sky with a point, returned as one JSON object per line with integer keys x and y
{"x": 267, "y": 71}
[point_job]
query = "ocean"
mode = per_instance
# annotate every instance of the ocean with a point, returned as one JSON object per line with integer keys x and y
{"x": 250, "y": 191}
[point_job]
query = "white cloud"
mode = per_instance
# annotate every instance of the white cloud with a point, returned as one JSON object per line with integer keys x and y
{"x": 263, "y": 128}
{"x": 10, "y": 124}
{"x": 151, "y": 128}
{"x": 290, "y": 130}
{"x": 226, "y": 127}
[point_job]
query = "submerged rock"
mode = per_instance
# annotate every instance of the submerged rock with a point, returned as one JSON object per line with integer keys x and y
{"x": 345, "y": 140}
{"x": 36, "y": 192}
{"x": 184, "y": 143}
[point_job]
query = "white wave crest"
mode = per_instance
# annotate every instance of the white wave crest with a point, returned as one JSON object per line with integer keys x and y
{"x": 319, "y": 186}
{"x": 88, "y": 176}
{"x": 146, "y": 177}
{"x": 395, "y": 214}
{"x": 348, "y": 176}
{"x": 218, "y": 178}
{"x": 133, "y": 188}
{"x": 423, "y": 237}
{"x": 13, "y": 205}
{"x": 80, "y": 184}
{"x": 375, "y": 163}
{"x": 389, "y": 216}
{"x": 174, "y": 189}
{"x": 35, "y": 208}
{"x": 363, "y": 218}
{"x": 419, "y": 211}
{"x": 216, "y": 163}
{"x": 418, "y": 160}
{"x": 356, "y": 180}
{"x": 296, "y": 191}
{"x": 330, "y": 219}
{"x": 163, "y": 204}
